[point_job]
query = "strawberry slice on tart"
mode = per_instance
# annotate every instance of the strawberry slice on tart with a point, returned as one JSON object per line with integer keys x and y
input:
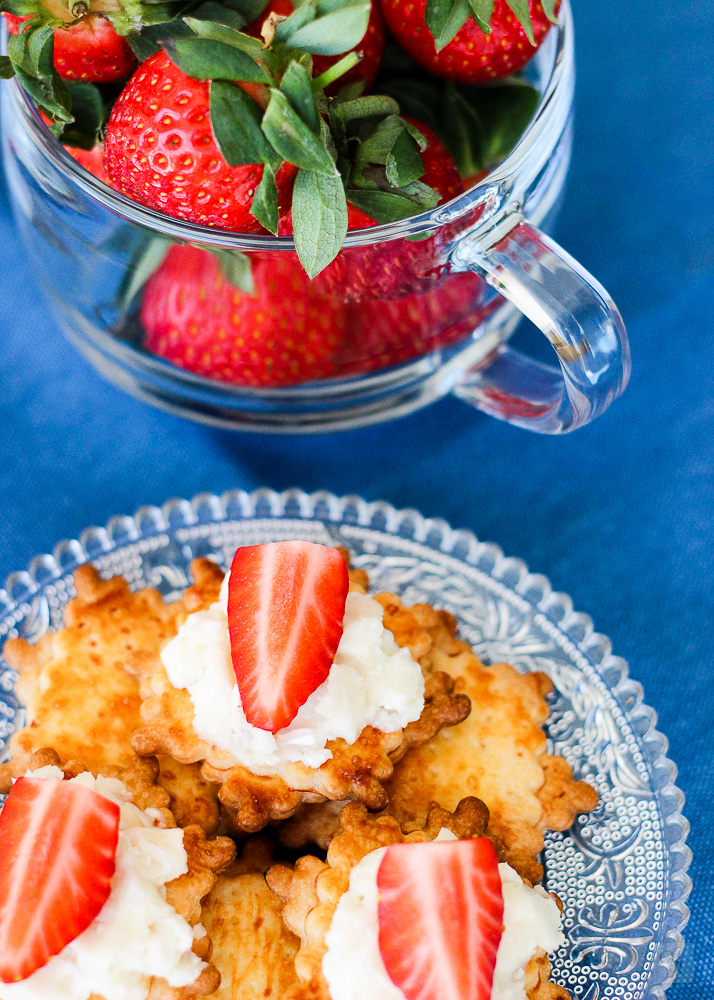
{"x": 286, "y": 605}
{"x": 440, "y": 918}
{"x": 58, "y": 843}
{"x": 288, "y": 686}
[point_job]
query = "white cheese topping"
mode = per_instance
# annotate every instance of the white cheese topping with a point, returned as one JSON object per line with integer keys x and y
{"x": 353, "y": 965}
{"x": 372, "y": 682}
{"x": 137, "y": 933}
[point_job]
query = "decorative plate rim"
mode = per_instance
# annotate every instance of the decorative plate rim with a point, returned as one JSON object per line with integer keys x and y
{"x": 323, "y": 505}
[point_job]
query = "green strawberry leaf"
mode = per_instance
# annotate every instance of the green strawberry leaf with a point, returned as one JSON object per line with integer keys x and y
{"x": 444, "y": 18}
{"x": 216, "y": 13}
{"x": 325, "y": 27}
{"x": 549, "y": 8}
{"x": 90, "y": 113}
{"x": 482, "y": 12}
{"x": 419, "y": 138}
{"x": 521, "y": 9}
{"x": 293, "y": 139}
{"x": 319, "y": 213}
{"x": 297, "y": 87}
{"x": 146, "y": 259}
{"x": 391, "y": 145}
{"x": 6, "y": 68}
{"x": 265, "y": 201}
{"x": 505, "y": 110}
{"x": 229, "y": 35}
{"x": 142, "y": 45}
{"x": 351, "y": 91}
{"x": 249, "y": 10}
{"x": 31, "y": 54}
{"x": 147, "y": 41}
{"x": 373, "y": 106}
{"x": 404, "y": 163}
{"x": 133, "y": 16}
{"x": 462, "y": 131}
{"x": 236, "y": 269}
{"x": 235, "y": 120}
{"x": 206, "y": 59}
{"x": 391, "y": 206}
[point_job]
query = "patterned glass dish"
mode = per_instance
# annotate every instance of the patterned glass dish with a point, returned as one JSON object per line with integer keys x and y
{"x": 622, "y": 870}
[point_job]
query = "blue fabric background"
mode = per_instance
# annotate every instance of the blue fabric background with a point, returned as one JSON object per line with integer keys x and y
{"x": 620, "y": 515}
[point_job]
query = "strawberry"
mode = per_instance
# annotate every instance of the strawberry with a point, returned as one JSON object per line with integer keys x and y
{"x": 440, "y": 918}
{"x": 470, "y": 55}
{"x": 397, "y": 268}
{"x": 281, "y": 334}
{"x": 370, "y": 49}
{"x": 58, "y": 844}
{"x": 161, "y": 151}
{"x": 92, "y": 160}
{"x": 286, "y": 604}
{"x": 89, "y": 49}
{"x": 388, "y": 333}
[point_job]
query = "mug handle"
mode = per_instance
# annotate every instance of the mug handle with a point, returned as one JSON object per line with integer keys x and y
{"x": 574, "y": 312}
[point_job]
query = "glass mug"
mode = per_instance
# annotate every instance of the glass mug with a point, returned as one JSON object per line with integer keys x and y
{"x": 445, "y": 290}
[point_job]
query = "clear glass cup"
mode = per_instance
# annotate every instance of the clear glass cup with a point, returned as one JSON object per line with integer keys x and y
{"x": 412, "y": 310}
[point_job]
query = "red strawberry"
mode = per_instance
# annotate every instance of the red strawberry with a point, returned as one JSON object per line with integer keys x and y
{"x": 280, "y": 335}
{"x": 440, "y": 918}
{"x": 89, "y": 50}
{"x": 398, "y": 268}
{"x": 471, "y": 56}
{"x": 92, "y": 160}
{"x": 371, "y": 48}
{"x": 58, "y": 844}
{"x": 286, "y": 603}
{"x": 160, "y": 150}
{"x": 387, "y": 333}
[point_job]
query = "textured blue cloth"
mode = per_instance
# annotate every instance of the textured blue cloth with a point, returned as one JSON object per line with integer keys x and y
{"x": 620, "y": 515}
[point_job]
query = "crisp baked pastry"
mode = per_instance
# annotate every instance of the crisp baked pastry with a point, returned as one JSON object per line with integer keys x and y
{"x": 80, "y": 699}
{"x": 253, "y": 949}
{"x": 333, "y": 963}
{"x": 271, "y": 787}
{"x": 465, "y": 759}
{"x": 498, "y": 753}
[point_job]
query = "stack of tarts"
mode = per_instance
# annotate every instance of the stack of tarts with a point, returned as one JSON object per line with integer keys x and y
{"x": 276, "y": 787}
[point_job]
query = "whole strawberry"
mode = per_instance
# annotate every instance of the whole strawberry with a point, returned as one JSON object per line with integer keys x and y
{"x": 475, "y": 52}
{"x": 89, "y": 49}
{"x": 280, "y": 334}
{"x": 382, "y": 334}
{"x": 370, "y": 49}
{"x": 398, "y": 268}
{"x": 161, "y": 151}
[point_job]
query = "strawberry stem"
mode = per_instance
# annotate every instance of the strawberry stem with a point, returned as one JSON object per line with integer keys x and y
{"x": 335, "y": 72}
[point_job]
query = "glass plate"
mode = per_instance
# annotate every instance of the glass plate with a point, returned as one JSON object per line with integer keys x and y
{"x": 621, "y": 871}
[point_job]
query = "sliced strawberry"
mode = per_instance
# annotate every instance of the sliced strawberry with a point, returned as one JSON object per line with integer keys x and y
{"x": 58, "y": 844}
{"x": 286, "y": 604}
{"x": 440, "y": 918}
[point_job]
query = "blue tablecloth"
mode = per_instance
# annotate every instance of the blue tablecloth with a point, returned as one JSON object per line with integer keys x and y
{"x": 620, "y": 515}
